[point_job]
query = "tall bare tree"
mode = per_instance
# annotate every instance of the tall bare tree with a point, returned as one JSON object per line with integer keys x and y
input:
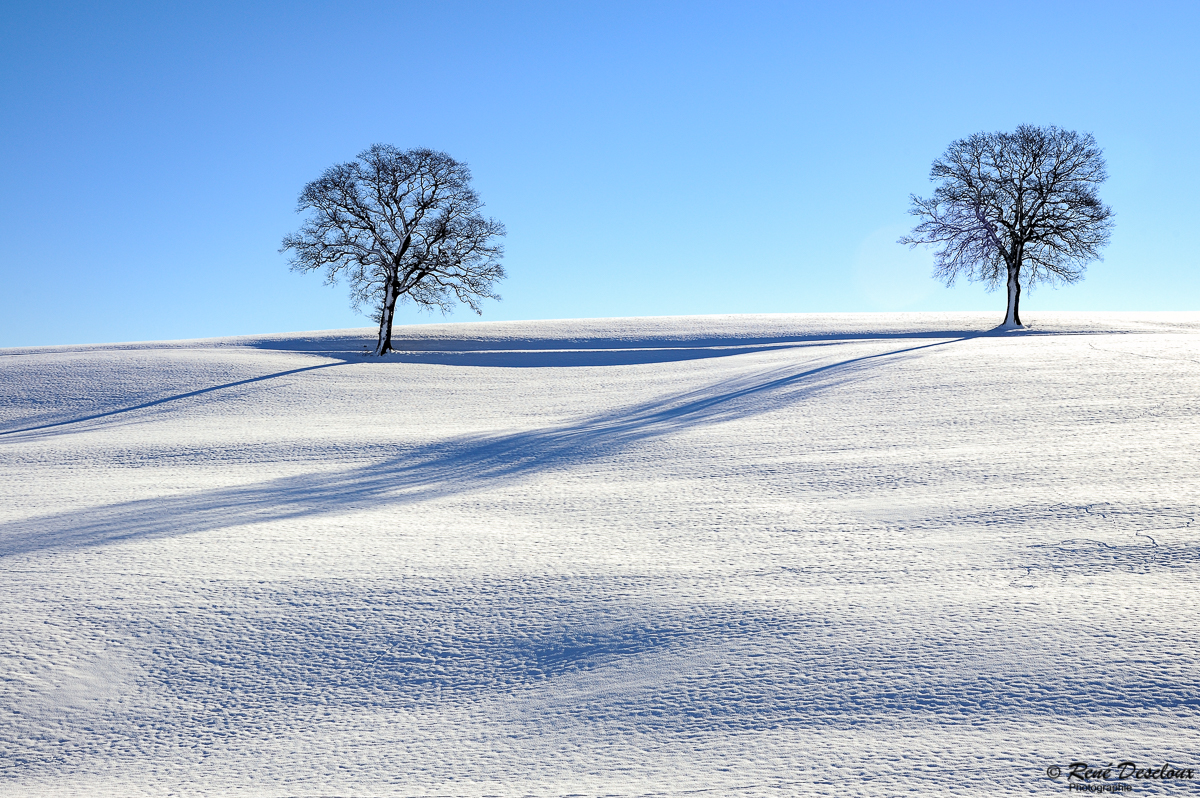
{"x": 1015, "y": 207}
{"x": 399, "y": 225}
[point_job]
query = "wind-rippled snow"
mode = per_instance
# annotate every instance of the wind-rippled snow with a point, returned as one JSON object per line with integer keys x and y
{"x": 744, "y": 555}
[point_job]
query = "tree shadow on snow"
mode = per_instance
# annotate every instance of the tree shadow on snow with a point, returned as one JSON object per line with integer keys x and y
{"x": 51, "y": 425}
{"x": 446, "y": 468}
{"x": 570, "y": 358}
{"x": 568, "y": 351}
{"x": 337, "y": 348}
{"x": 549, "y": 352}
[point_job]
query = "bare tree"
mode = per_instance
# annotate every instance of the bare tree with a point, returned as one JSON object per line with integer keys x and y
{"x": 399, "y": 226}
{"x": 1015, "y": 206}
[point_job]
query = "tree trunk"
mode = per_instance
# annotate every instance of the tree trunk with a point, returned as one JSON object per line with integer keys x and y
{"x": 384, "y": 345}
{"x": 1013, "y": 317}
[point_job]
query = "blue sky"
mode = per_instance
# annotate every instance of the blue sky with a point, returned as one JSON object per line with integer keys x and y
{"x": 647, "y": 158}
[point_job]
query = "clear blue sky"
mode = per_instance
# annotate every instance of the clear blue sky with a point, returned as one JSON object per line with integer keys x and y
{"x": 647, "y": 158}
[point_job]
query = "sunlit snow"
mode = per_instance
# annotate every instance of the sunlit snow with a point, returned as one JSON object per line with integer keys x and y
{"x": 729, "y": 555}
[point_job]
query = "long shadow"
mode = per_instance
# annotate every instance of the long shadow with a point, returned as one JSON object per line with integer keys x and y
{"x": 494, "y": 358}
{"x": 446, "y": 468}
{"x": 458, "y": 345}
{"x": 571, "y": 358}
{"x": 166, "y": 399}
{"x": 554, "y": 352}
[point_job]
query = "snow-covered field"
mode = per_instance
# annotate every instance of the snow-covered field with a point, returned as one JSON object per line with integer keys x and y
{"x": 743, "y": 555}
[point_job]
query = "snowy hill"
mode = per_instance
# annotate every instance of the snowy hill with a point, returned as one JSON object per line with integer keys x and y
{"x": 743, "y": 555}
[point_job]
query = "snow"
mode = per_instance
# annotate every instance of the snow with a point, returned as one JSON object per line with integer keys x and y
{"x": 730, "y": 555}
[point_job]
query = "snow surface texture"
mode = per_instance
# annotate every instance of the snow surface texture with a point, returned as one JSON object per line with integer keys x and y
{"x": 744, "y": 555}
